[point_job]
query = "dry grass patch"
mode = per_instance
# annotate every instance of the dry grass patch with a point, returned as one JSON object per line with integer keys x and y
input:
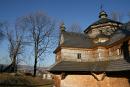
{"x": 19, "y": 80}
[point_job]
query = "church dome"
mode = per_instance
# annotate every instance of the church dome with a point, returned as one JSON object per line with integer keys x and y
{"x": 102, "y": 21}
{"x": 104, "y": 24}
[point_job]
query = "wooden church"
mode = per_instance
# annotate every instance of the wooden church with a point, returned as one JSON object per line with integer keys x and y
{"x": 99, "y": 57}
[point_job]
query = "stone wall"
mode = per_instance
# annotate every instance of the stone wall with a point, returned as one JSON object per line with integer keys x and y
{"x": 90, "y": 81}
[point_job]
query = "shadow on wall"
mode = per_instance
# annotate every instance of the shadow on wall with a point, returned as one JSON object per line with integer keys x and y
{"x": 125, "y": 51}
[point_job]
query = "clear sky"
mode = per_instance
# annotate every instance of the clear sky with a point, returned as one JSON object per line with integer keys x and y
{"x": 83, "y": 12}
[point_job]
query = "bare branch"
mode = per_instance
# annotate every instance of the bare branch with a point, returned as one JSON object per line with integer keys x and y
{"x": 75, "y": 27}
{"x": 15, "y": 39}
{"x": 116, "y": 16}
{"x": 39, "y": 28}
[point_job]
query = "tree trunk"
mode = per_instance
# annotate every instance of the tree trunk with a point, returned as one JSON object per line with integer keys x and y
{"x": 35, "y": 66}
{"x": 35, "y": 61}
{"x": 14, "y": 66}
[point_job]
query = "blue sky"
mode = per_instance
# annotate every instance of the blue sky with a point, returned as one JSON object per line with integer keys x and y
{"x": 83, "y": 12}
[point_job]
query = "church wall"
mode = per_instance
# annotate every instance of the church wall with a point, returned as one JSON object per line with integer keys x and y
{"x": 115, "y": 52}
{"x": 90, "y": 81}
{"x": 100, "y": 53}
{"x": 72, "y": 53}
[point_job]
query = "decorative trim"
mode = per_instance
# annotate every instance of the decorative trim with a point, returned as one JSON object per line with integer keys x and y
{"x": 63, "y": 75}
{"x": 99, "y": 77}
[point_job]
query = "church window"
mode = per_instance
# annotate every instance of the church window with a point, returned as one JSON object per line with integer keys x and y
{"x": 118, "y": 52}
{"x": 79, "y": 55}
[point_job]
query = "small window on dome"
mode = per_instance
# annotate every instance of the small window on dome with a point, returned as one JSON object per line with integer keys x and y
{"x": 102, "y": 40}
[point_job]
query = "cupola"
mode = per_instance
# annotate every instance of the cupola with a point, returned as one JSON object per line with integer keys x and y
{"x": 62, "y": 26}
{"x": 102, "y": 14}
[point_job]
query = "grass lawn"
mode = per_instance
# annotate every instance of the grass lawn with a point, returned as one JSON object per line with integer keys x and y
{"x": 19, "y": 80}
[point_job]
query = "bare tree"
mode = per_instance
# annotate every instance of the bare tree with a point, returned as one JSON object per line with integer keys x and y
{"x": 39, "y": 27}
{"x": 75, "y": 27}
{"x": 1, "y": 35}
{"x": 15, "y": 43}
{"x": 129, "y": 15}
{"x": 2, "y": 28}
{"x": 116, "y": 16}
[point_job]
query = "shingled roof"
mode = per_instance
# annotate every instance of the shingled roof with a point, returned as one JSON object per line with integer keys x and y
{"x": 80, "y": 40}
{"x": 72, "y": 39}
{"x": 111, "y": 65}
{"x": 118, "y": 35}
